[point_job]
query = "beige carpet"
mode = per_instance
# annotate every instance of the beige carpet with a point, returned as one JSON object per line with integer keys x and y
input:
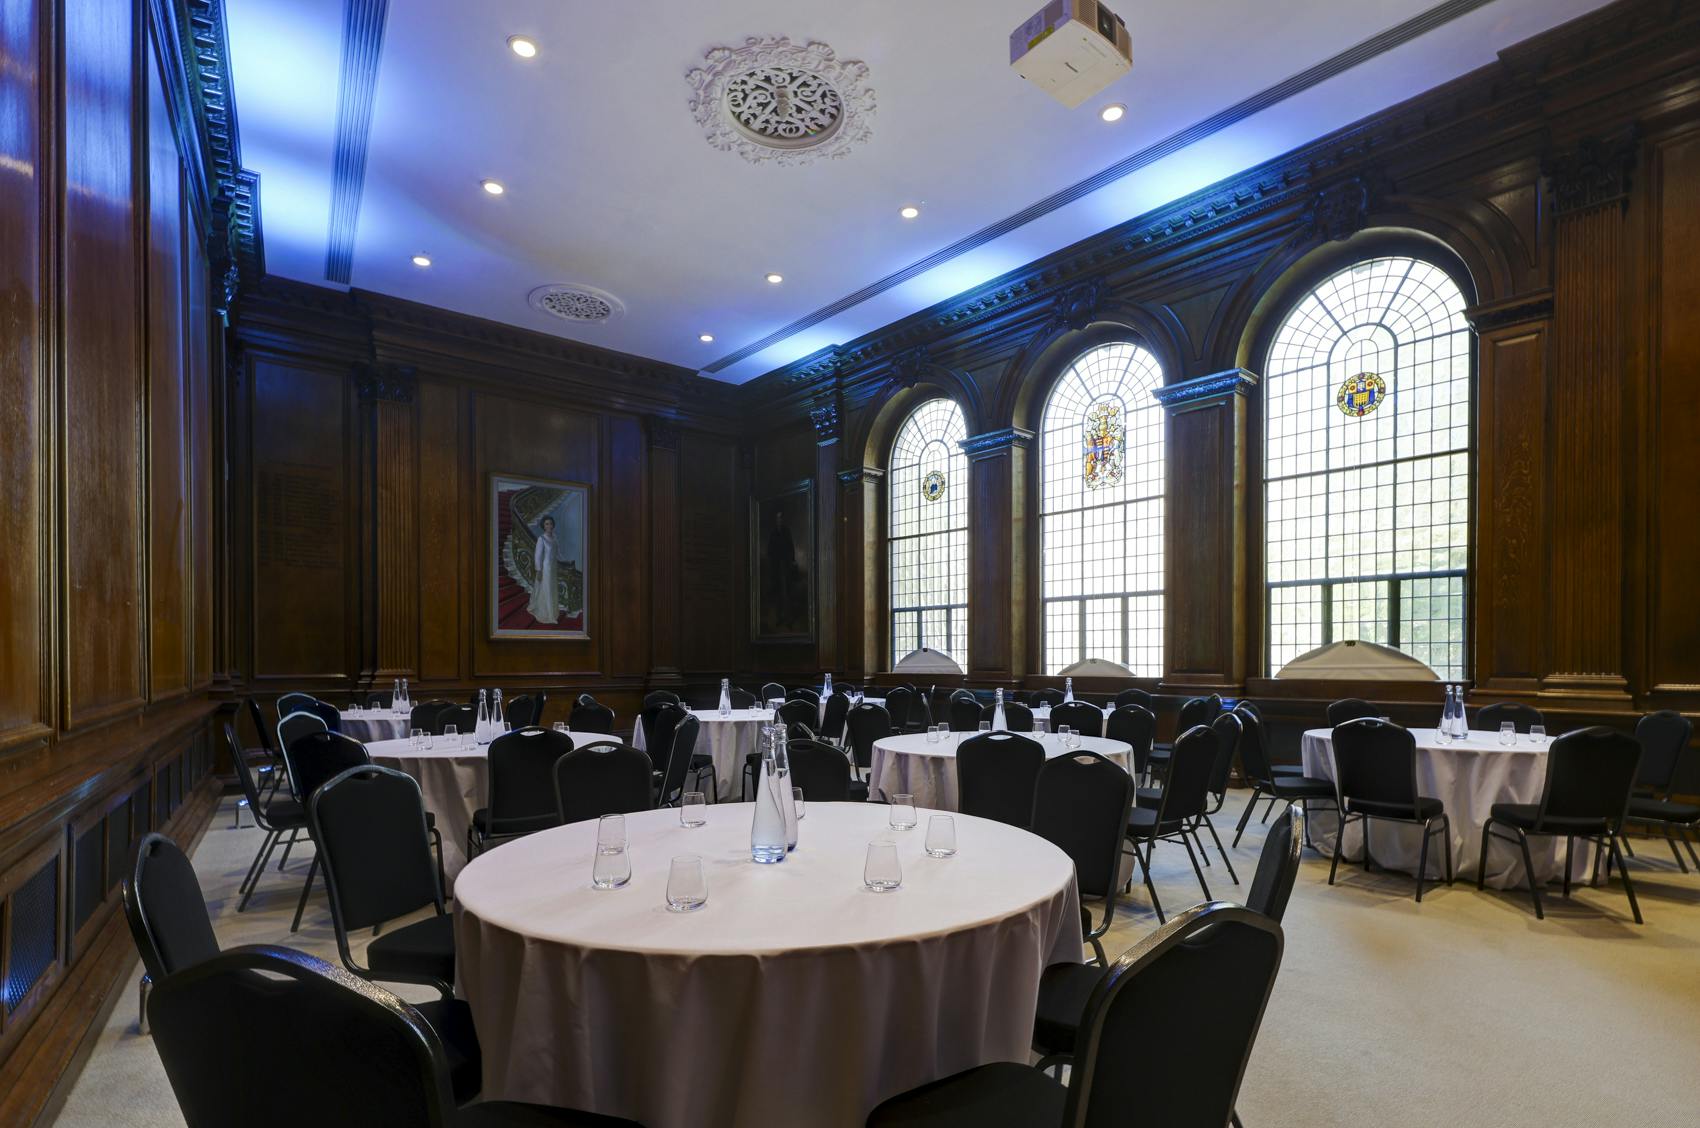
{"x": 1464, "y": 1009}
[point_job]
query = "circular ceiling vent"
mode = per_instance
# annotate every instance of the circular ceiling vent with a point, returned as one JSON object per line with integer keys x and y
{"x": 584, "y": 304}
{"x": 774, "y": 100}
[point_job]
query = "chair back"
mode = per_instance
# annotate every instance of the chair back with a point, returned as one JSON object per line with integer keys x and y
{"x": 424, "y": 715}
{"x": 294, "y": 726}
{"x": 822, "y": 771}
{"x": 964, "y": 715}
{"x": 660, "y": 697}
{"x": 1134, "y": 725}
{"x": 683, "y": 742}
{"x": 1254, "y": 754}
{"x": 1350, "y": 709}
{"x": 1016, "y": 716}
{"x": 771, "y": 691}
{"x": 837, "y": 708}
{"x": 1490, "y": 717}
{"x": 1215, "y": 959}
{"x": 244, "y": 774}
{"x": 591, "y": 717}
{"x": 1198, "y": 711}
{"x": 525, "y": 710}
{"x": 1228, "y": 729}
{"x": 165, "y": 908}
{"x": 602, "y": 779}
{"x": 1088, "y": 720}
{"x": 522, "y": 780}
{"x": 357, "y": 1054}
{"x": 1134, "y": 697}
{"x": 327, "y": 713}
{"x": 996, "y": 772}
{"x": 1188, "y": 782}
{"x": 260, "y": 726}
{"x": 658, "y": 723}
{"x": 369, "y": 824}
{"x": 1662, "y": 736}
{"x": 743, "y": 698}
{"x": 1081, "y": 803}
{"x": 463, "y": 717}
{"x": 1278, "y": 865}
{"x": 1590, "y": 774}
{"x": 1051, "y": 697}
{"x": 867, "y": 723}
{"x": 294, "y": 702}
{"x": 899, "y": 705}
{"x": 797, "y": 711}
{"x": 804, "y": 693}
{"x": 1376, "y": 760}
{"x": 317, "y": 757}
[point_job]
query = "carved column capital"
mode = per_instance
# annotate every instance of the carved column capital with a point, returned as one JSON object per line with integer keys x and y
{"x": 993, "y": 443}
{"x": 1342, "y": 209}
{"x": 824, "y": 416}
{"x": 1078, "y": 306}
{"x": 1592, "y": 174}
{"x": 393, "y": 382}
{"x": 857, "y": 475}
{"x": 663, "y": 432}
{"x": 1204, "y": 391}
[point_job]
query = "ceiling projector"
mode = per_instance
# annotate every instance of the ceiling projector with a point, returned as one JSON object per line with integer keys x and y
{"x": 1071, "y": 49}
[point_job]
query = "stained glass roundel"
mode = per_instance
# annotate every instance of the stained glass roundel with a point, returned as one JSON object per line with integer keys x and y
{"x": 932, "y": 486}
{"x": 1361, "y": 394}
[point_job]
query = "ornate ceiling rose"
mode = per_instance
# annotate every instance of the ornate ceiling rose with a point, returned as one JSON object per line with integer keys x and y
{"x": 772, "y": 100}
{"x": 570, "y": 302}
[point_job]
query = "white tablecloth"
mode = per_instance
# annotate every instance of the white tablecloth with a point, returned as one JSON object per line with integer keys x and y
{"x": 727, "y": 739}
{"x": 794, "y": 997}
{"x": 368, "y": 725}
{"x": 455, "y": 781}
{"x": 909, "y": 765}
{"x": 1469, "y": 777}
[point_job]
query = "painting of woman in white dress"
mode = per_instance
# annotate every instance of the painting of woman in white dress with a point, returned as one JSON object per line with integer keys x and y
{"x": 538, "y": 550}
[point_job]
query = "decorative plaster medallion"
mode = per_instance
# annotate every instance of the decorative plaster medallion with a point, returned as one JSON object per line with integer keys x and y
{"x": 772, "y": 100}
{"x": 571, "y": 302}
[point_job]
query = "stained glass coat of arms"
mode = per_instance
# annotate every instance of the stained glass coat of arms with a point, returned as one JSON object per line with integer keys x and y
{"x": 1361, "y": 394}
{"x": 1105, "y": 445}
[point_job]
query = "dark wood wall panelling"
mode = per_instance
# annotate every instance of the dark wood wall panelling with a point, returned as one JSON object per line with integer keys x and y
{"x": 106, "y": 613}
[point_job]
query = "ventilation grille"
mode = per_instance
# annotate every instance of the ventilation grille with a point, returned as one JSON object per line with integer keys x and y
{"x": 583, "y": 304}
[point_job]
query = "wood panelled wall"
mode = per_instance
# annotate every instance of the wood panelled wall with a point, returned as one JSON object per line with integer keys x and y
{"x": 107, "y": 652}
{"x": 1560, "y": 184}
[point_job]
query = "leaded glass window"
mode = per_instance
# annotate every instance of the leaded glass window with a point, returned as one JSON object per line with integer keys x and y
{"x": 1101, "y": 512}
{"x": 928, "y": 481}
{"x": 1366, "y": 465}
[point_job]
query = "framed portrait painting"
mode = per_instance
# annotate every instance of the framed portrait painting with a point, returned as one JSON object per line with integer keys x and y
{"x": 539, "y": 558}
{"x": 782, "y": 565}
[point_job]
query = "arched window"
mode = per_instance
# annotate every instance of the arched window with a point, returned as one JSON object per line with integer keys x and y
{"x": 928, "y": 480}
{"x": 1366, "y": 465}
{"x": 1101, "y": 512}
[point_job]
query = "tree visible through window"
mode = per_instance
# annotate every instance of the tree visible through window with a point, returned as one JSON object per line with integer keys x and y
{"x": 1366, "y": 465}
{"x": 1101, "y": 512}
{"x": 928, "y": 481}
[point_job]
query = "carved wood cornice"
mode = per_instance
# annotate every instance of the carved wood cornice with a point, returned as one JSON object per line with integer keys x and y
{"x": 858, "y": 475}
{"x": 994, "y": 443}
{"x": 1517, "y": 310}
{"x": 1204, "y": 391}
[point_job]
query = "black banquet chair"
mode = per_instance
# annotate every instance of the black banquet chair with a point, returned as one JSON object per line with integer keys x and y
{"x": 521, "y": 767}
{"x": 1215, "y": 959}
{"x": 867, "y": 723}
{"x": 1080, "y": 805}
{"x": 798, "y": 712}
{"x": 369, "y": 825}
{"x": 1490, "y": 717}
{"x": 606, "y": 778}
{"x": 660, "y": 697}
{"x": 681, "y": 748}
{"x": 591, "y": 716}
{"x": 1133, "y": 697}
{"x": 995, "y": 774}
{"x": 275, "y": 816}
{"x": 526, "y": 710}
{"x": 772, "y": 691}
{"x": 1375, "y": 777}
{"x": 1228, "y": 729}
{"x": 312, "y": 760}
{"x": 1135, "y": 726}
{"x": 964, "y": 714}
{"x": 1087, "y": 720}
{"x": 1051, "y": 697}
{"x": 1016, "y": 716}
{"x": 1350, "y": 709}
{"x": 823, "y": 772}
{"x": 1663, "y": 736}
{"x": 356, "y": 1053}
{"x": 464, "y": 718}
{"x": 832, "y": 722}
{"x": 1289, "y": 789}
{"x": 1590, "y": 773}
{"x": 1179, "y": 805}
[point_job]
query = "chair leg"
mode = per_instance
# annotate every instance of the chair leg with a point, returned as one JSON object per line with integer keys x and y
{"x": 1569, "y": 845}
{"x": 1675, "y": 853}
{"x": 437, "y": 841}
{"x": 286, "y": 848}
{"x": 306, "y": 888}
{"x": 1098, "y": 951}
{"x": 1339, "y": 840}
{"x": 1269, "y": 810}
{"x": 1629, "y": 888}
{"x": 258, "y": 868}
{"x": 1688, "y": 842}
{"x": 1199, "y": 842}
{"x": 1227, "y": 861}
{"x": 142, "y": 1015}
{"x": 1145, "y": 868}
{"x": 257, "y": 864}
{"x": 1627, "y": 848}
{"x": 1529, "y": 872}
{"x": 1195, "y": 868}
{"x": 1245, "y": 815}
{"x": 1481, "y": 866}
{"x": 1234, "y": 1119}
{"x": 1422, "y": 859}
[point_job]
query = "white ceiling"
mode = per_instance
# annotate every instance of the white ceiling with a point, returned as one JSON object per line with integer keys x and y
{"x": 611, "y": 183}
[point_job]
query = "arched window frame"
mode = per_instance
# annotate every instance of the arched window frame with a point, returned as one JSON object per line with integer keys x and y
{"x": 927, "y": 548}
{"x": 1102, "y": 596}
{"x": 1419, "y": 606}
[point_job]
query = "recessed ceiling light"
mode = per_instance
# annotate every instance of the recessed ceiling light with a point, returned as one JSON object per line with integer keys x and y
{"x": 776, "y": 279}
{"x": 523, "y": 47}
{"x": 705, "y": 338}
{"x": 494, "y": 187}
{"x": 1113, "y": 111}
{"x": 421, "y": 260}
{"x": 909, "y": 211}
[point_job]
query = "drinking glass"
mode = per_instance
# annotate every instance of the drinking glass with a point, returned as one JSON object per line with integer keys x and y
{"x": 416, "y": 737}
{"x": 932, "y": 734}
{"x": 687, "y": 888}
{"x": 797, "y": 798}
{"x": 881, "y": 872}
{"x": 941, "y": 836}
{"x": 1507, "y": 732}
{"x": 452, "y": 733}
{"x": 985, "y": 726}
{"x": 561, "y": 726}
{"x": 429, "y": 740}
{"x": 1537, "y": 734}
{"x": 903, "y": 812}
{"x": 613, "y": 867}
{"x": 693, "y": 809}
{"x": 1072, "y": 740}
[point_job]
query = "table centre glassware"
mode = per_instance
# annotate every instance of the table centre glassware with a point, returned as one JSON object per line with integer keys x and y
{"x": 933, "y": 736}
{"x": 693, "y": 809}
{"x": 903, "y": 812}
{"x": 613, "y": 865}
{"x": 416, "y": 737}
{"x": 1537, "y": 734}
{"x": 767, "y": 823}
{"x": 1507, "y": 732}
{"x": 941, "y": 836}
{"x": 881, "y": 872}
{"x": 687, "y": 888}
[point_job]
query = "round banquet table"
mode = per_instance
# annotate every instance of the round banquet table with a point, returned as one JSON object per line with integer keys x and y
{"x": 908, "y": 765}
{"x": 369, "y": 725}
{"x": 1469, "y": 776}
{"x": 454, "y": 780}
{"x": 794, "y": 997}
{"x": 727, "y": 739}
